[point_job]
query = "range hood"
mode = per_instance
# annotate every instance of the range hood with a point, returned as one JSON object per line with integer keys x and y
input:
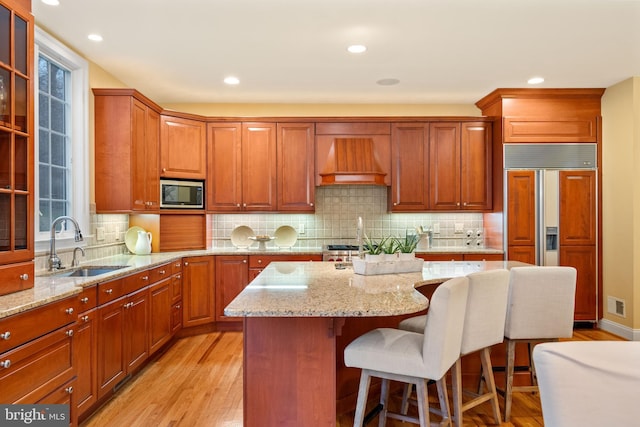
{"x": 352, "y": 161}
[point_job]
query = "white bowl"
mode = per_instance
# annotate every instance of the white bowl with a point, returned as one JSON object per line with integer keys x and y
{"x": 285, "y": 236}
{"x": 131, "y": 238}
{"x": 240, "y": 236}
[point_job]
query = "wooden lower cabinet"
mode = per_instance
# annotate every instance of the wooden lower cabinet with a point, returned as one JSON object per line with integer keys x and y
{"x": 198, "y": 295}
{"x": 123, "y": 346}
{"x": 232, "y": 275}
{"x": 161, "y": 314}
{"x": 86, "y": 361}
{"x": 583, "y": 259}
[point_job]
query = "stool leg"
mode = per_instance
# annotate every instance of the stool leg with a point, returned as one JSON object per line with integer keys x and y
{"x": 384, "y": 400}
{"x": 444, "y": 401}
{"x": 423, "y": 403}
{"x": 511, "y": 355}
{"x": 487, "y": 372}
{"x": 456, "y": 379}
{"x": 406, "y": 394}
{"x": 363, "y": 392}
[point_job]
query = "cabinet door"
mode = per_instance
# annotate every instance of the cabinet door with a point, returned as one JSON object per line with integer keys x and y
{"x": 85, "y": 360}
{"x": 259, "y": 166}
{"x": 232, "y": 275}
{"x": 198, "y": 291}
{"x": 183, "y": 148}
{"x": 475, "y": 169}
{"x": 583, "y": 258}
{"x": 578, "y": 195}
{"x": 145, "y": 179}
{"x": 409, "y": 173}
{"x": 111, "y": 365}
{"x": 136, "y": 344}
{"x": 224, "y": 172}
{"x": 444, "y": 166}
{"x": 522, "y": 253}
{"x": 160, "y": 296}
{"x": 295, "y": 162}
{"x": 521, "y": 208}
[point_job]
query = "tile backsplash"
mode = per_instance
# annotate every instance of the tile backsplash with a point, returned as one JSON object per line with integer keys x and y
{"x": 334, "y": 222}
{"x": 335, "y": 219}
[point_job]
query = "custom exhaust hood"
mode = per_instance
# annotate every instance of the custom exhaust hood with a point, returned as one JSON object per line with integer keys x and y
{"x": 352, "y": 160}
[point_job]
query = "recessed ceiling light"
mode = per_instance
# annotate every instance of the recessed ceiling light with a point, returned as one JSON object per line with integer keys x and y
{"x": 535, "y": 80}
{"x": 51, "y": 2}
{"x": 388, "y": 82}
{"x": 95, "y": 37}
{"x": 357, "y": 48}
{"x": 231, "y": 80}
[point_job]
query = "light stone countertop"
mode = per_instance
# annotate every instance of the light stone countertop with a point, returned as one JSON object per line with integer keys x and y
{"x": 51, "y": 287}
{"x": 318, "y": 289}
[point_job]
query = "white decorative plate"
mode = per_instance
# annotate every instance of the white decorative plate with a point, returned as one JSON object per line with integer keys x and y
{"x": 240, "y": 236}
{"x": 131, "y": 238}
{"x": 285, "y": 236}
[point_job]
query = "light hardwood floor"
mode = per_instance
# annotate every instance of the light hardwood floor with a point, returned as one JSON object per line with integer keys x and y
{"x": 198, "y": 383}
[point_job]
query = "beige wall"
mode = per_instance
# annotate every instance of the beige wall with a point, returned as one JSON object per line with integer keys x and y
{"x": 621, "y": 200}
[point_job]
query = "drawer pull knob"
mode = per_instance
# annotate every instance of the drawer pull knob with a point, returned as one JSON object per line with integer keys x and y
{"x": 244, "y": 261}
{"x": 5, "y": 335}
{"x": 69, "y": 390}
{"x": 177, "y": 264}
{"x": 69, "y": 311}
{"x": 5, "y": 364}
{"x": 84, "y": 300}
{"x": 108, "y": 291}
{"x": 186, "y": 263}
{"x": 178, "y": 276}
{"x": 178, "y": 307}
{"x": 85, "y": 318}
{"x": 145, "y": 277}
{"x": 69, "y": 333}
{"x": 259, "y": 261}
{"x": 24, "y": 276}
{"x": 161, "y": 271}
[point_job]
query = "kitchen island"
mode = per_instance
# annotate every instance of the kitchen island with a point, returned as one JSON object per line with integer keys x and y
{"x": 298, "y": 318}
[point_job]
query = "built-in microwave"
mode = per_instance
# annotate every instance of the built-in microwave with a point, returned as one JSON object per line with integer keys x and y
{"x": 179, "y": 194}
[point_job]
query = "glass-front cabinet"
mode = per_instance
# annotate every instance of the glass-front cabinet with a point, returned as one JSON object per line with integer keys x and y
{"x": 16, "y": 146}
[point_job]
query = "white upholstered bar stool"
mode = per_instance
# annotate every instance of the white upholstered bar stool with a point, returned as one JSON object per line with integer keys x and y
{"x": 410, "y": 357}
{"x": 589, "y": 383}
{"x": 483, "y": 327}
{"x": 540, "y": 308}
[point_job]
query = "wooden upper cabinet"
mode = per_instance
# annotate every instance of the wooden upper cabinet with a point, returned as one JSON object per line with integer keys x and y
{"x": 183, "y": 148}
{"x": 259, "y": 166}
{"x": 224, "y": 170}
{"x": 295, "y": 164}
{"x": 550, "y": 129}
{"x": 578, "y": 222}
{"x": 476, "y": 166}
{"x": 126, "y": 151}
{"x": 444, "y": 166}
{"x": 409, "y": 167}
{"x": 241, "y": 167}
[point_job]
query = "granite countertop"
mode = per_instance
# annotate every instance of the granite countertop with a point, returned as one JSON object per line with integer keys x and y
{"x": 294, "y": 289}
{"x": 51, "y": 287}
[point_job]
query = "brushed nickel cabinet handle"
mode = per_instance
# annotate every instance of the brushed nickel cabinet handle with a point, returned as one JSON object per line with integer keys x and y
{"x": 84, "y": 300}
{"x": 69, "y": 390}
{"x": 69, "y": 333}
{"x": 5, "y": 335}
{"x": 161, "y": 272}
{"x": 108, "y": 291}
{"x": 145, "y": 277}
{"x": 85, "y": 318}
{"x": 244, "y": 261}
{"x": 186, "y": 263}
{"x": 69, "y": 311}
{"x": 24, "y": 276}
{"x": 5, "y": 363}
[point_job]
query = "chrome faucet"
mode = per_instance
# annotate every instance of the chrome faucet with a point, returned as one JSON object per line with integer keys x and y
{"x": 54, "y": 261}
{"x": 75, "y": 262}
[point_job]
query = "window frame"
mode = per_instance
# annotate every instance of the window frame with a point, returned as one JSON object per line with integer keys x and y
{"x": 79, "y": 181}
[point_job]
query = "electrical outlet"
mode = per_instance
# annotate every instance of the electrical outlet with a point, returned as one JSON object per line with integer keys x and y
{"x": 99, "y": 233}
{"x": 301, "y": 229}
{"x": 458, "y": 227}
{"x": 436, "y": 228}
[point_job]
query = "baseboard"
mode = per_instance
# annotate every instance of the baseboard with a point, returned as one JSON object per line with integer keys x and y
{"x": 620, "y": 330}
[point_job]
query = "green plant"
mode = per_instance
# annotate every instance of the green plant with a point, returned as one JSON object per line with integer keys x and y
{"x": 372, "y": 247}
{"x": 408, "y": 244}
{"x": 389, "y": 245}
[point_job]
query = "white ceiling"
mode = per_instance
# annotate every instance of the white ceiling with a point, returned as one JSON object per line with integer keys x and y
{"x": 294, "y": 51}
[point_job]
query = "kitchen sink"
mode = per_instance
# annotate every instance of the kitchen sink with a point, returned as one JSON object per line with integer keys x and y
{"x": 91, "y": 270}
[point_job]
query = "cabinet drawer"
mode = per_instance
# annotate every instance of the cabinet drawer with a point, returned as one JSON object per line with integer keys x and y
{"x": 88, "y": 298}
{"x": 34, "y": 370}
{"x": 16, "y": 277}
{"x": 176, "y": 288}
{"x": 137, "y": 281}
{"x": 161, "y": 272}
{"x": 176, "y": 266}
{"x": 23, "y": 327}
{"x": 261, "y": 261}
{"x": 108, "y": 291}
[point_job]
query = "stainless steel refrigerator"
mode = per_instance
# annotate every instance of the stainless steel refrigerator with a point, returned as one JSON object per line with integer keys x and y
{"x": 551, "y": 215}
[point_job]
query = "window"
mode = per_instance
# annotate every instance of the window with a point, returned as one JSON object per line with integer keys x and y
{"x": 61, "y": 152}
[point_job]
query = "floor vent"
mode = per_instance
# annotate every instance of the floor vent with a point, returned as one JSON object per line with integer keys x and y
{"x": 616, "y": 306}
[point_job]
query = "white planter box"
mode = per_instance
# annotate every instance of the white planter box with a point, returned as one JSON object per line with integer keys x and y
{"x": 368, "y": 268}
